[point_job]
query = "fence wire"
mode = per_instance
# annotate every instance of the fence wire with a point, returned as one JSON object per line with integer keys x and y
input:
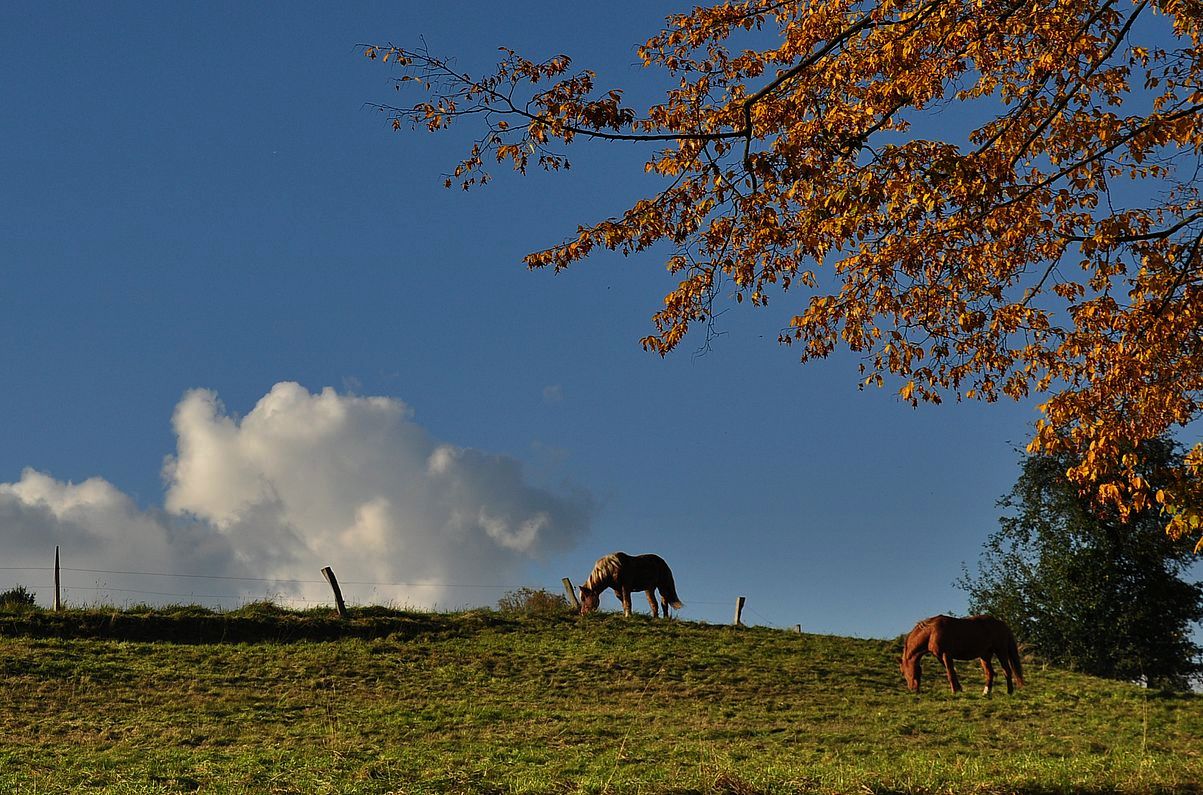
{"x": 102, "y": 589}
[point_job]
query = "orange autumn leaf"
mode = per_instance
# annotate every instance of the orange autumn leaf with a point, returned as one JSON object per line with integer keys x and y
{"x": 1051, "y": 248}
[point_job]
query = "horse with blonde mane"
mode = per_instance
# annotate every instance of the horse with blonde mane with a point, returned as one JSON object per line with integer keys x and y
{"x": 629, "y": 573}
{"x": 949, "y": 639}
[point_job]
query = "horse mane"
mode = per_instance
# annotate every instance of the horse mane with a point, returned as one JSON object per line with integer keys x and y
{"x": 605, "y": 571}
{"x": 923, "y": 623}
{"x": 919, "y": 634}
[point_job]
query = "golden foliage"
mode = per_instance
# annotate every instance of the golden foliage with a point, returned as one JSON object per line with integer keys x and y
{"x": 1054, "y": 248}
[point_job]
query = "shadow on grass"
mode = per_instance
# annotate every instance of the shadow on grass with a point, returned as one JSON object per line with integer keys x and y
{"x": 1068, "y": 789}
{"x": 730, "y": 784}
{"x": 733, "y": 785}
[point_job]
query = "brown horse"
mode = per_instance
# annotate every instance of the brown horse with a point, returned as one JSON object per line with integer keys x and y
{"x": 627, "y": 574}
{"x": 949, "y": 639}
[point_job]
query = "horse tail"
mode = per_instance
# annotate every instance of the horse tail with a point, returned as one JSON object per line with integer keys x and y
{"x": 1016, "y": 662}
{"x": 668, "y": 589}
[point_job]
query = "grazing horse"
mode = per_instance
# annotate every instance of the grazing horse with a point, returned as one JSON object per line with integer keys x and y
{"x": 949, "y": 639}
{"x": 627, "y": 574}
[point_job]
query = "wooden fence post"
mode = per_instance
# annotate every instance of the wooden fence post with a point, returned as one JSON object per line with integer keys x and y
{"x": 568, "y": 589}
{"x": 328, "y": 573}
{"x": 739, "y": 611}
{"x": 58, "y": 602}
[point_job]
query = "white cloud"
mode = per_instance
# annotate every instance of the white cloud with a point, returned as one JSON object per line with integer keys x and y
{"x": 306, "y": 480}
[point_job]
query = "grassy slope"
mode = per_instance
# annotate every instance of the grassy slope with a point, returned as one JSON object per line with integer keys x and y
{"x": 482, "y": 703}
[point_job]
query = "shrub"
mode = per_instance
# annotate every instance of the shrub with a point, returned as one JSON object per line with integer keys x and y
{"x": 532, "y": 601}
{"x": 261, "y": 609}
{"x": 19, "y": 597}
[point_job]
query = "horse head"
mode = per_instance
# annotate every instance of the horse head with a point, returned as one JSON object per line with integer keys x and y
{"x": 589, "y": 600}
{"x": 910, "y": 672}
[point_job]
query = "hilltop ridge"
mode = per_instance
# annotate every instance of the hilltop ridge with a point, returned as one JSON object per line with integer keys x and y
{"x": 488, "y": 702}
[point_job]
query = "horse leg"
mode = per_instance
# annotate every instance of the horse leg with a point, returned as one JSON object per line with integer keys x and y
{"x": 1005, "y": 662}
{"x": 950, "y": 668}
{"x": 626, "y": 601}
{"x": 651, "y": 600}
{"x": 664, "y": 604}
{"x": 988, "y": 670}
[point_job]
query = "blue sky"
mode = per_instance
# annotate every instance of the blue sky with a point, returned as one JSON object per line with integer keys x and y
{"x": 194, "y": 196}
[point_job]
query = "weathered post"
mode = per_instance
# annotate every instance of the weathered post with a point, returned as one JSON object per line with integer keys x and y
{"x": 328, "y": 573}
{"x": 739, "y": 611}
{"x": 58, "y": 602}
{"x": 568, "y": 589}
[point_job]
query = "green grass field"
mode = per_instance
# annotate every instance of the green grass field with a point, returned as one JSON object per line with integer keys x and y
{"x": 483, "y": 702}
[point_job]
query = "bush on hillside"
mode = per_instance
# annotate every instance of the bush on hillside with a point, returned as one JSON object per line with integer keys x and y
{"x": 533, "y": 601}
{"x": 17, "y": 598}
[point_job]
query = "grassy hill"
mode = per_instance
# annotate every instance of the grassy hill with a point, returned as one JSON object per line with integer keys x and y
{"x": 482, "y": 702}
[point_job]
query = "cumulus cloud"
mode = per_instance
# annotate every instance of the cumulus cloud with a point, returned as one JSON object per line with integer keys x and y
{"x": 306, "y": 480}
{"x": 100, "y": 524}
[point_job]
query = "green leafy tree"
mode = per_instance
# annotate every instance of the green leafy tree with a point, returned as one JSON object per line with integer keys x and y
{"x": 1082, "y": 588}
